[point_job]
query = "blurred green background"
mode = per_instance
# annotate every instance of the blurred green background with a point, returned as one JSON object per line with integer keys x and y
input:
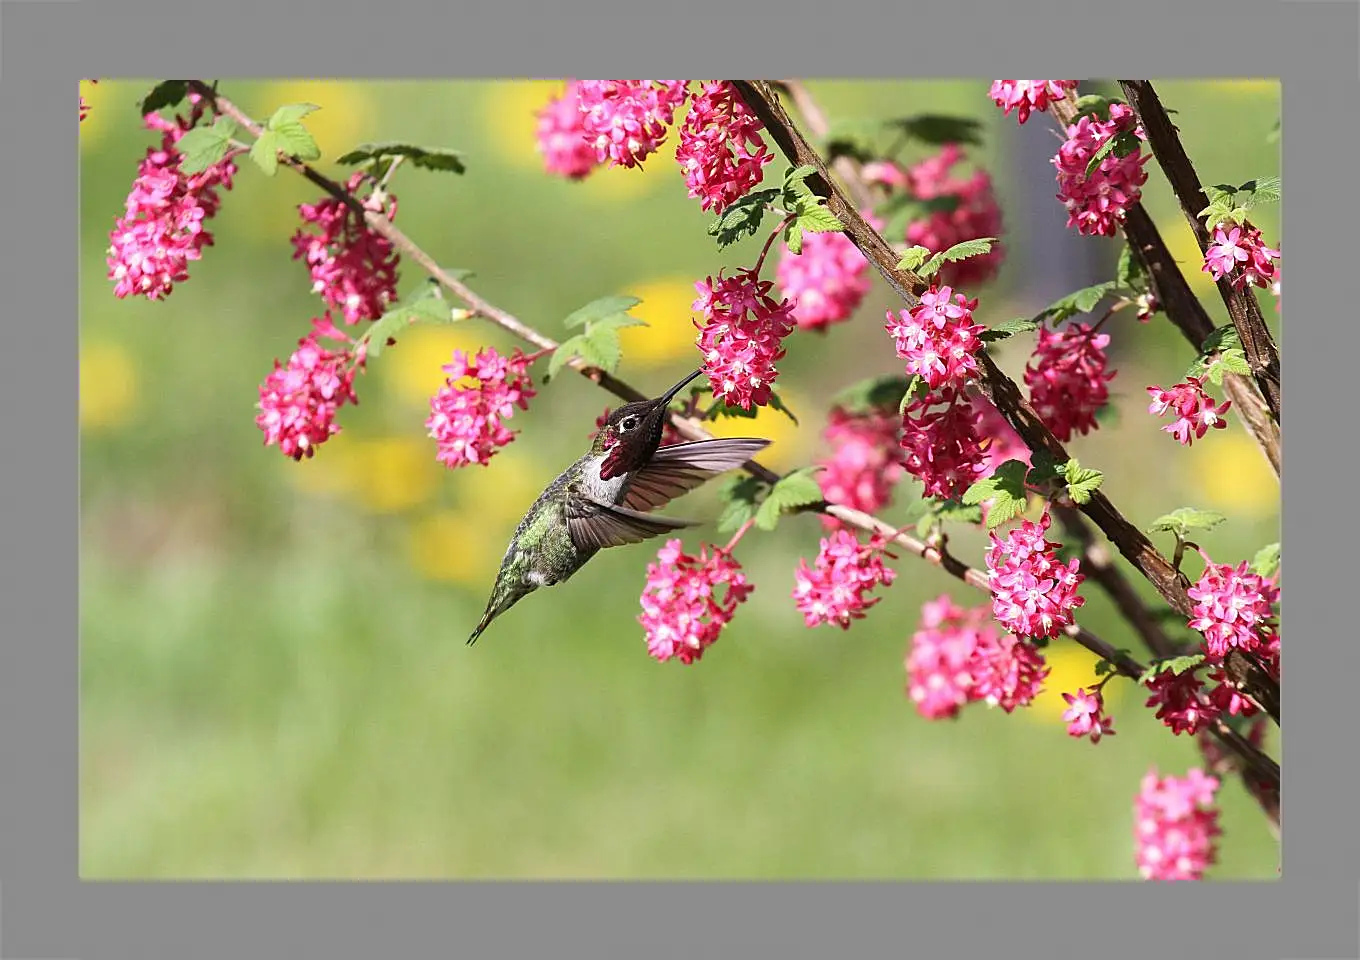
{"x": 274, "y": 681}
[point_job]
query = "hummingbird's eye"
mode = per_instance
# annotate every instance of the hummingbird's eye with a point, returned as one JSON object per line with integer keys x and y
{"x": 628, "y": 422}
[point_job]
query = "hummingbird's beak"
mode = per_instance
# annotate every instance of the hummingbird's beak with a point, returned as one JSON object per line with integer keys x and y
{"x": 665, "y": 399}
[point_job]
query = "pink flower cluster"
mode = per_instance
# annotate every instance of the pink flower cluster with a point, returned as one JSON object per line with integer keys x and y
{"x": 721, "y": 150}
{"x": 164, "y": 226}
{"x": 827, "y": 281}
{"x": 468, "y": 421}
{"x": 353, "y": 268}
{"x": 1085, "y": 715}
{"x": 1023, "y": 96}
{"x": 957, "y": 657}
{"x": 1179, "y": 703}
{"x": 1033, "y": 593}
{"x": 561, "y": 136}
{"x": 966, "y": 209}
{"x": 944, "y": 449}
{"x": 836, "y": 589}
{"x": 1195, "y": 410}
{"x": 865, "y": 462}
{"x": 1067, "y": 377}
{"x": 1096, "y": 205}
{"x": 742, "y": 336}
{"x": 1241, "y": 246}
{"x": 1234, "y": 609}
{"x": 681, "y": 613}
{"x": 626, "y": 120}
{"x": 937, "y": 338}
{"x": 1175, "y": 826}
{"x": 298, "y": 400}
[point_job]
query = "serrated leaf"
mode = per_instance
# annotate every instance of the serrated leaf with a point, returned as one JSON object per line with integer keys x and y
{"x": 742, "y": 217}
{"x": 1267, "y": 560}
{"x": 426, "y": 158}
{"x": 939, "y": 129}
{"x": 202, "y": 147}
{"x": 599, "y": 309}
{"x": 1099, "y": 156}
{"x": 1130, "y": 274}
{"x": 793, "y": 490}
{"x": 1184, "y": 519}
{"x": 1103, "y": 667}
{"x": 290, "y": 113}
{"x": 952, "y": 511}
{"x": 1176, "y": 665}
{"x": 1094, "y": 104}
{"x": 567, "y": 349}
{"x": 1235, "y": 361}
{"x": 817, "y": 218}
{"x": 795, "y": 181}
{"x": 732, "y": 411}
{"x": 1005, "y": 489}
{"x": 1222, "y": 338}
{"x": 265, "y": 152}
{"x": 913, "y": 258}
{"x": 293, "y": 139}
{"x": 959, "y": 251}
{"x": 1080, "y": 301}
{"x": 1008, "y": 329}
{"x": 428, "y": 308}
{"x": 1261, "y": 190}
{"x": 167, "y": 93}
{"x": 741, "y": 495}
{"x": 1044, "y": 468}
{"x": 1081, "y": 481}
{"x": 876, "y": 394}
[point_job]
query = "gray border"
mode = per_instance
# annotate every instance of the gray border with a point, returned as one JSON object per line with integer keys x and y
{"x": 1313, "y": 46}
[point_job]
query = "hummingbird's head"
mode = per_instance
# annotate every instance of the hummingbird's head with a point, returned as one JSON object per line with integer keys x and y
{"x": 632, "y": 433}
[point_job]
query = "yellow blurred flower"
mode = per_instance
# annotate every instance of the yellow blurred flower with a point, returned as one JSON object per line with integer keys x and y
{"x": 1070, "y": 667}
{"x": 789, "y": 445}
{"x": 347, "y": 110}
{"x": 1232, "y": 474}
{"x": 108, "y": 385}
{"x": 413, "y": 367}
{"x": 1184, "y": 248}
{"x": 392, "y": 474}
{"x": 670, "y": 331}
{"x": 100, "y": 97}
{"x": 455, "y": 546}
{"x": 502, "y": 491}
{"x": 331, "y": 471}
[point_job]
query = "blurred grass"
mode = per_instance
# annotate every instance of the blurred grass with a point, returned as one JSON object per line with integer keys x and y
{"x": 273, "y": 676}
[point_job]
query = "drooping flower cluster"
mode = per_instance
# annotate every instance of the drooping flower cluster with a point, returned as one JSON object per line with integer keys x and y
{"x": 1067, "y": 378}
{"x": 836, "y": 589}
{"x": 865, "y": 462}
{"x": 721, "y": 151}
{"x": 353, "y": 268}
{"x": 1234, "y": 609}
{"x": 957, "y": 657}
{"x": 827, "y": 281}
{"x": 1023, "y": 96}
{"x": 1177, "y": 697}
{"x": 626, "y": 120}
{"x": 164, "y": 225}
{"x": 1096, "y": 205}
{"x": 299, "y": 399}
{"x": 1085, "y": 715}
{"x": 1195, "y": 410}
{"x": 1033, "y": 592}
{"x": 681, "y": 612}
{"x": 959, "y": 209}
{"x": 669, "y": 435}
{"x": 943, "y": 447}
{"x": 938, "y": 338}
{"x": 467, "y": 419}
{"x": 561, "y": 136}
{"x": 1240, "y": 254}
{"x": 1175, "y": 826}
{"x": 742, "y": 336}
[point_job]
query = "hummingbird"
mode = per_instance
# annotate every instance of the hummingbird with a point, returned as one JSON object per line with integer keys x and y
{"x": 604, "y": 499}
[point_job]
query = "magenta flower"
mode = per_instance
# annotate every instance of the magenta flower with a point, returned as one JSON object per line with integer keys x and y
{"x": 1179, "y": 703}
{"x": 1067, "y": 377}
{"x": 1175, "y": 823}
{"x": 626, "y": 120}
{"x": 1241, "y": 246}
{"x": 1033, "y": 593}
{"x": 562, "y": 138}
{"x": 681, "y": 612}
{"x": 1023, "y": 96}
{"x": 467, "y": 421}
{"x": 1096, "y": 205}
{"x": 944, "y": 449}
{"x": 1234, "y": 608}
{"x": 827, "y": 281}
{"x": 938, "y": 338}
{"x": 1195, "y": 411}
{"x": 836, "y": 590}
{"x": 352, "y": 267}
{"x": 1085, "y": 715}
{"x": 866, "y": 460}
{"x": 721, "y": 150}
{"x": 959, "y": 209}
{"x": 298, "y": 400}
{"x": 742, "y": 336}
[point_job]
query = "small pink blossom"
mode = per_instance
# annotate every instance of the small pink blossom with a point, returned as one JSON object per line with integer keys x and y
{"x": 865, "y": 462}
{"x": 938, "y": 338}
{"x": 1241, "y": 247}
{"x": 561, "y": 136}
{"x": 1033, "y": 593}
{"x": 626, "y": 120}
{"x": 298, "y": 400}
{"x": 943, "y": 447}
{"x": 1175, "y": 823}
{"x": 742, "y": 336}
{"x": 1096, "y": 205}
{"x": 1009, "y": 673}
{"x": 1195, "y": 411}
{"x": 1022, "y": 96}
{"x": 1179, "y": 703}
{"x": 1085, "y": 715}
{"x": 721, "y": 151}
{"x": 681, "y": 612}
{"x": 836, "y": 589}
{"x": 1067, "y": 378}
{"x": 827, "y": 281}
{"x": 467, "y": 421}
{"x": 1234, "y": 609}
{"x": 959, "y": 209}
{"x": 353, "y": 268}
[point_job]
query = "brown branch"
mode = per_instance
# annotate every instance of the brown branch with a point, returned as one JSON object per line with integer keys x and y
{"x": 1262, "y": 354}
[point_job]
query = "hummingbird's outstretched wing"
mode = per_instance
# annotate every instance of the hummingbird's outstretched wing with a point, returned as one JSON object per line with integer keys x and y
{"x": 681, "y": 467}
{"x": 594, "y": 524}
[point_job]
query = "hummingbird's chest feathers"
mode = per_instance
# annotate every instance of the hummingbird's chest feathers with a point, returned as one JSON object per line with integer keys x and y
{"x": 605, "y": 491}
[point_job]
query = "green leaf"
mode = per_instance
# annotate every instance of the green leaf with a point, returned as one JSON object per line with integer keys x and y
{"x": 202, "y": 147}
{"x": 732, "y": 411}
{"x": 1261, "y": 190}
{"x": 874, "y": 395}
{"x": 959, "y": 251}
{"x": 167, "y": 93}
{"x": 598, "y": 310}
{"x": 742, "y": 217}
{"x": 429, "y": 308}
{"x": 741, "y": 495}
{"x": 1005, "y": 488}
{"x": 1176, "y": 665}
{"x": 1008, "y": 329}
{"x": 1274, "y": 135}
{"x": 1103, "y": 667}
{"x": 1094, "y": 104}
{"x": 916, "y": 386}
{"x": 777, "y": 403}
{"x": 953, "y": 511}
{"x": 817, "y": 218}
{"x": 1130, "y": 274}
{"x": 1233, "y": 361}
{"x": 1080, "y": 301}
{"x": 1044, "y": 469}
{"x": 938, "y": 129}
{"x": 288, "y": 136}
{"x": 601, "y": 351}
{"x": 1215, "y": 357}
{"x": 854, "y": 137}
{"x": 1104, "y": 151}
{"x": 426, "y": 158}
{"x": 1266, "y": 561}
{"x": 793, "y": 490}
{"x": 265, "y": 152}
{"x": 1081, "y": 482}
{"x": 294, "y": 140}
{"x": 913, "y": 257}
{"x": 1222, "y": 338}
{"x": 1184, "y": 519}
{"x": 290, "y": 113}
{"x": 809, "y": 211}
{"x": 1121, "y": 145}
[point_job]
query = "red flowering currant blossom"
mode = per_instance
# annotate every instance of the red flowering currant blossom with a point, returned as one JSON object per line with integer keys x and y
{"x": 1175, "y": 823}
{"x": 836, "y": 589}
{"x": 1234, "y": 608}
{"x": 626, "y": 120}
{"x": 353, "y": 268}
{"x": 1096, "y": 205}
{"x": 1085, "y": 715}
{"x": 742, "y": 336}
{"x": 865, "y": 462}
{"x": 1225, "y": 698}
{"x": 1195, "y": 411}
{"x": 827, "y": 281}
{"x": 1022, "y": 96}
{"x": 1033, "y": 593}
{"x": 999, "y": 438}
{"x": 944, "y": 449}
{"x": 1239, "y": 253}
{"x": 164, "y": 226}
{"x": 721, "y": 150}
{"x": 299, "y": 400}
{"x": 561, "y": 136}
{"x": 959, "y": 209}
{"x": 681, "y": 612}
{"x": 468, "y": 422}
{"x": 1177, "y": 697}
{"x": 669, "y": 435}
{"x": 1067, "y": 378}
{"x": 937, "y": 338}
